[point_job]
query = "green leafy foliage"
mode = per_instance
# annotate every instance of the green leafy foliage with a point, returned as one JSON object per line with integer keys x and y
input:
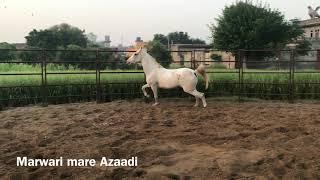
{"x": 7, "y": 54}
{"x": 31, "y": 55}
{"x": 216, "y": 57}
{"x": 183, "y": 38}
{"x": 245, "y": 25}
{"x": 177, "y": 37}
{"x": 159, "y": 45}
{"x": 160, "y": 53}
{"x": 57, "y": 36}
{"x": 161, "y": 38}
{"x": 70, "y": 41}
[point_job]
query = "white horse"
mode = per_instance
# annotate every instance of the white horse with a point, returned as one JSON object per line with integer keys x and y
{"x": 160, "y": 77}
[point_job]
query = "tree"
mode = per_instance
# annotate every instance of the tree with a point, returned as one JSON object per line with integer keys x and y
{"x": 197, "y": 41}
{"x": 216, "y": 57}
{"x": 57, "y": 36}
{"x": 245, "y": 25}
{"x": 161, "y": 38}
{"x": 183, "y": 38}
{"x": 92, "y": 37}
{"x": 160, "y": 53}
{"x": 75, "y": 53}
{"x": 248, "y": 26}
{"x": 62, "y": 36}
{"x": 67, "y": 34}
{"x": 177, "y": 38}
{"x": 6, "y": 52}
{"x": 92, "y": 41}
{"x": 31, "y": 55}
{"x": 46, "y": 39}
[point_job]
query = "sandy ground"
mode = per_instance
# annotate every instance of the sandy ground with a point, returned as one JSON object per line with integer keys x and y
{"x": 227, "y": 140}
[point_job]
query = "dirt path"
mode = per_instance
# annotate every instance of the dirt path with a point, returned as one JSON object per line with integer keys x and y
{"x": 172, "y": 141}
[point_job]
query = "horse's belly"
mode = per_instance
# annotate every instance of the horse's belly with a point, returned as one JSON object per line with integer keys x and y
{"x": 167, "y": 86}
{"x": 168, "y": 82}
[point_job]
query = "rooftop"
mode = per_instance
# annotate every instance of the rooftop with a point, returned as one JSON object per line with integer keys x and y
{"x": 310, "y": 22}
{"x": 192, "y": 46}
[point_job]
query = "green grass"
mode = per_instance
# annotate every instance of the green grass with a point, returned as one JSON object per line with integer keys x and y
{"x": 265, "y": 86}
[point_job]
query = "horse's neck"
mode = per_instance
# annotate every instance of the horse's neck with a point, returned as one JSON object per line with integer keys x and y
{"x": 149, "y": 64}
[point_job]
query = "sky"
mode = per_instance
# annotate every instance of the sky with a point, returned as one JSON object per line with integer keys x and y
{"x": 124, "y": 20}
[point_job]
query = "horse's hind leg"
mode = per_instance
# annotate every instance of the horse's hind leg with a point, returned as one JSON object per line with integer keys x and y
{"x": 154, "y": 88}
{"x": 197, "y": 102}
{"x": 199, "y": 95}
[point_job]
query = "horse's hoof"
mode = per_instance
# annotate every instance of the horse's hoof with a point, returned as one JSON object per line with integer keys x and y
{"x": 196, "y": 105}
{"x": 155, "y": 104}
{"x": 147, "y": 96}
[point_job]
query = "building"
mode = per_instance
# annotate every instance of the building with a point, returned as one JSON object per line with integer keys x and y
{"x": 20, "y": 45}
{"x": 139, "y": 43}
{"x": 107, "y": 41}
{"x": 185, "y": 53}
{"x": 311, "y": 29}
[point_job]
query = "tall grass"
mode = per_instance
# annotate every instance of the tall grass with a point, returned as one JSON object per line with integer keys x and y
{"x": 16, "y": 68}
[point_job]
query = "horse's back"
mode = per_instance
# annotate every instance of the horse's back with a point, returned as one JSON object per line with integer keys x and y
{"x": 186, "y": 72}
{"x": 170, "y": 78}
{"x": 180, "y": 72}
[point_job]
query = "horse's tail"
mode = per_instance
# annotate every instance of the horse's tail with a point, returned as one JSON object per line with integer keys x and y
{"x": 202, "y": 70}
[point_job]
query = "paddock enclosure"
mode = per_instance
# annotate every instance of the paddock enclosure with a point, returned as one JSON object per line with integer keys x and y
{"x": 227, "y": 140}
{"x": 88, "y": 104}
{"x": 33, "y": 76}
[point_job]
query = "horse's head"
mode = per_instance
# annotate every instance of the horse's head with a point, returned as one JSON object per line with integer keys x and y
{"x": 137, "y": 56}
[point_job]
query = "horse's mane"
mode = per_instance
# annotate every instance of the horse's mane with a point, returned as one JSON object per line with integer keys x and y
{"x": 154, "y": 59}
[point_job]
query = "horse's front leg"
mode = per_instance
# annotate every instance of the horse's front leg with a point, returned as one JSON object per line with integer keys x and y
{"x": 154, "y": 88}
{"x": 144, "y": 90}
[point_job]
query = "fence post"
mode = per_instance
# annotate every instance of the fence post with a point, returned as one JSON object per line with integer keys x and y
{"x": 278, "y": 61}
{"x": 193, "y": 59}
{"x": 291, "y": 77}
{"x": 98, "y": 81}
{"x": 44, "y": 87}
{"x": 318, "y": 59}
{"x": 240, "y": 78}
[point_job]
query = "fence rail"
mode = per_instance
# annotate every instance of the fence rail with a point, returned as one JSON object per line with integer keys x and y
{"x": 98, "y": 89}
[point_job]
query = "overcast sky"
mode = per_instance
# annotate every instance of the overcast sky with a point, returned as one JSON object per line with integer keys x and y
{"x": 124, "y": 18}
